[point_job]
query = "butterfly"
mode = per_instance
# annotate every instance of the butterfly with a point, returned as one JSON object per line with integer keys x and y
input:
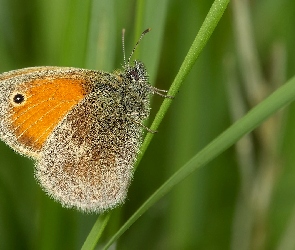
{"x": 82, "y": 127}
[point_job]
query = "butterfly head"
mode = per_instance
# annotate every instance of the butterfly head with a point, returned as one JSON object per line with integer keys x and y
{"x": 136, "y": 70}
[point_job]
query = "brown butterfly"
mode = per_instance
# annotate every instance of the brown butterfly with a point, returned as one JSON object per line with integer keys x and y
{"x": 83, "y": 127}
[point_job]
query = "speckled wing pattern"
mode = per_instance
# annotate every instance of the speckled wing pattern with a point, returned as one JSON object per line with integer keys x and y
{"x": 88, "y": 160}
{"x": 83, "y": 128}
{"x": 25, "y": 126}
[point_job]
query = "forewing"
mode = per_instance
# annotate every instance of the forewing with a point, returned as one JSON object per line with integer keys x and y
{"x": 49, "y": 94}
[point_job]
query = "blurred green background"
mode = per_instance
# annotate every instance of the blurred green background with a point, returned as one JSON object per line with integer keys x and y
{"x": 244, "y": 199}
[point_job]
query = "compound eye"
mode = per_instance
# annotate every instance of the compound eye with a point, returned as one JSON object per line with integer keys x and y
{"x": 134, "y": 75}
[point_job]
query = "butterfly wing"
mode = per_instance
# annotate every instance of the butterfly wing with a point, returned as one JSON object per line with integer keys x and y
{"x": 87, "y": 161}
{"x": 83, "y": 127}
{"x": 33, "y": 101}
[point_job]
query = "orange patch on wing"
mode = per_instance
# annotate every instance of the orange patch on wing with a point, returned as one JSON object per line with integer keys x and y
{"x": 47, "y": 102}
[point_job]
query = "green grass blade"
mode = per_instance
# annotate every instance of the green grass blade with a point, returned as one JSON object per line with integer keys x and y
{"x": 102, "y": 36}
{"x": 280, "y": 98}
{"x": 214, "y": 15}
{"x": 150, "y": 14}
{"x": 139, "y": 17}
{"x": 76, "y": 33}
{"x": 96, "y": 232}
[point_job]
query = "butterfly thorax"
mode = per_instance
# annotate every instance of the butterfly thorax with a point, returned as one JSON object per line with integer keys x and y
{"x": 125, "y": 94}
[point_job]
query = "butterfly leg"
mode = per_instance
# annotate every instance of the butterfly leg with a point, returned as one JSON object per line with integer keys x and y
{"x": 160, "y": 92}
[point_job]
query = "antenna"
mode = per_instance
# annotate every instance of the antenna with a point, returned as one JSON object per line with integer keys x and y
{"x": 123, "y": 45}
{"x": 132, "y": 52}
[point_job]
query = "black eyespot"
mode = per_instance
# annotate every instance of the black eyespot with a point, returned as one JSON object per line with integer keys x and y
{"x": 18, "y": 98}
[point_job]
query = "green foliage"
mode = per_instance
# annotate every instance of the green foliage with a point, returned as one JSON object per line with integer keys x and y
{"x": 243, "y": 199}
